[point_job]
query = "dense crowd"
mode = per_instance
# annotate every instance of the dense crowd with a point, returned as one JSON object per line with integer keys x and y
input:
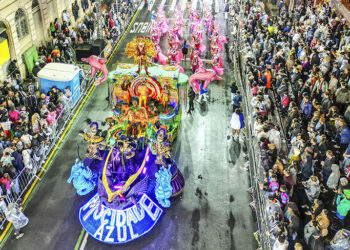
{"x": 298, "y": 65}
{"x": 28, "y": 121}
{"x": 65, "y": 37}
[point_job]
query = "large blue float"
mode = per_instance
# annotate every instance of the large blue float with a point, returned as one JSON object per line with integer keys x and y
{"x": 136, "y": 175}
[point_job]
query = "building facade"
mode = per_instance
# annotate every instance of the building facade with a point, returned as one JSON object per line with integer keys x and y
{"x": 24, "y": 24}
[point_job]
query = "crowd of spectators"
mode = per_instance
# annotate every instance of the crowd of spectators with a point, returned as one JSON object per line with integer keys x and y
{"x": 28, "y": 123}
{"x": 28, "y": 118}
{"x": 297, "y": 66}
{"x": 65, "y": 38}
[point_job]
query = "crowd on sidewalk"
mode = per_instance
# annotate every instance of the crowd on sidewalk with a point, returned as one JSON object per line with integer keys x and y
{"x": 28, "y": 121}
{"x": 65, "y": 37}
{"x": 298, "y": 64}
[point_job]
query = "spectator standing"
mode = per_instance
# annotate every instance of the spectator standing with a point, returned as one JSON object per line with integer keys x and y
{"x": 237, "y": 123}
{"x": 15, "y": 215}
{"x": 191, "y": 97}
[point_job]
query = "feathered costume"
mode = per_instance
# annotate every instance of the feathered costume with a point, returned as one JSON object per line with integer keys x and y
{"x": 142, "y": 49}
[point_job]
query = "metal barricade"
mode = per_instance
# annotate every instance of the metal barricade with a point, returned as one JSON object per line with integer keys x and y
{"x": 255, "y": 171}
{"x": 15, "y": 193}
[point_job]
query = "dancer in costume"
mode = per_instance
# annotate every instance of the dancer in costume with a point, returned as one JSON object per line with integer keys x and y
{"x": 95, "y": 142}
{"x": 142, "y": 49}
{"x": 165, "y": 97}
{"x": 124, "y": 160}
{"x": 162, "y": 150}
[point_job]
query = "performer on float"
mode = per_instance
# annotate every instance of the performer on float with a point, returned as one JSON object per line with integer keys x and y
{"x": 142, "y": 49}
{"x": 95, "y": 142}
{"x": 143, "y": 94}
{"x": 125, "y": 88}
{"x": 162, "y": 150}
{"x": 133, "y": 117}
{"x": 124, "y": 160}
{"x": 165, "y": 97}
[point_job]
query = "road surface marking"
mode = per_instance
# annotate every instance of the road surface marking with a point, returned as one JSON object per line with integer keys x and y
{"x": 183, "y": 4}
{"x": 142, "y": 5}
{"x": 194, "y": 4}
{"x": 141, "y": 27}
{"x": 79, "y": 239}
{"x": 83, "y": 244}
{"x": 172, "y": 7}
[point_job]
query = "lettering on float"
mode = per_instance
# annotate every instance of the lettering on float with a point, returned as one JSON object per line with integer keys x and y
{"x": 119, "y": 226}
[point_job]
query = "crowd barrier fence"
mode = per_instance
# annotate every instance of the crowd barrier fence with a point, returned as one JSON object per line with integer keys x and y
{"x": 256, "y": 172}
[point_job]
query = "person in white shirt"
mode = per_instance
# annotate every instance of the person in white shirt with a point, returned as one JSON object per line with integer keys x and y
{"x": 65, "y": 17}
{"x": 15, "y": 215}
{"x": 26, "y": 139}
{"x": 281, "y": 243}
{"x": 274, "y": 137}
{"x": 236, "y": 123}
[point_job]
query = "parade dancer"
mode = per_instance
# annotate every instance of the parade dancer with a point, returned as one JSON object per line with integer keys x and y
{"x": 202, "y": 94}
{"x": 175, "y": 34}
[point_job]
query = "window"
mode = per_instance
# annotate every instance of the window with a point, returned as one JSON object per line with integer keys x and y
{"x": 35, "y": 4}
{"x": 21, "y": 24}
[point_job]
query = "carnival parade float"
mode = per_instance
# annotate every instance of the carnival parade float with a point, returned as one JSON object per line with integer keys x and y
{"x": 129, "y": 168}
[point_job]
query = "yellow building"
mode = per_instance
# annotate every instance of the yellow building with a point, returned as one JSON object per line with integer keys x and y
{"x": 24, "y": 23}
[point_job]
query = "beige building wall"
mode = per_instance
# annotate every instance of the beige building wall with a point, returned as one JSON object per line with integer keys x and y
{"x": 38, "y": 21}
